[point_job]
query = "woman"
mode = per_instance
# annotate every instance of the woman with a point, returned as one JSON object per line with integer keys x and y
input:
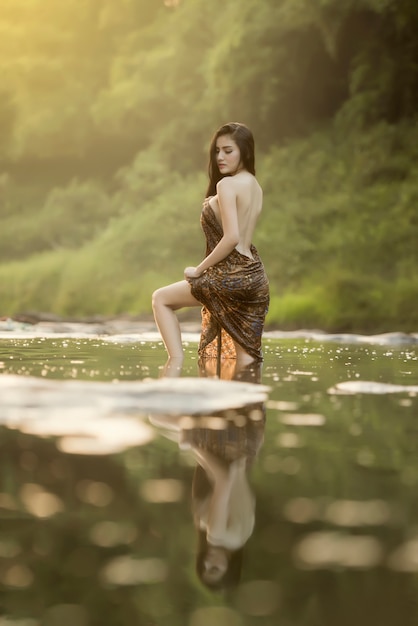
{"x": 230, "y": 283}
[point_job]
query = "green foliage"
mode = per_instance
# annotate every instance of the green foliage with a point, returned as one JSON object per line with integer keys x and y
{"x": 70, "y": 216}
{"x": 32, "y": 284}
{"x": 344, "y": 218}
{"x": 118, "y": 269}
{"x": 106, "y": 116}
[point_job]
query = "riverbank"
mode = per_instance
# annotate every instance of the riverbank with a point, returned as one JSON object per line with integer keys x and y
{"x": 129, "y": 327}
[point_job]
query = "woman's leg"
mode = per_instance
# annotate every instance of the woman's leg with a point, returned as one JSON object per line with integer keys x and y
{"x": 165, "y": 301}
{"x": 243, "y": 358}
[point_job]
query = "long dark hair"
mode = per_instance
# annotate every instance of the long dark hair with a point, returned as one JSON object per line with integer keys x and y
{"x": 244, "y": 139}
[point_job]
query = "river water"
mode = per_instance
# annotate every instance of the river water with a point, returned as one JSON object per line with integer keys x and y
{"x": 116, "y": 472}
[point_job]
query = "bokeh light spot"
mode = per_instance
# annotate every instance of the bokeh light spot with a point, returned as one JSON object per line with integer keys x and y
{"x": 162, "y": 490}
{"x": 126, "y": 570}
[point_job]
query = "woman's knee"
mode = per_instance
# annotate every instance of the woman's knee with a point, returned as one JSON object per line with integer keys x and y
{"x": 158, "y": 298}
{"x": 163, "y": 297}
{"x": 174, "y": 296}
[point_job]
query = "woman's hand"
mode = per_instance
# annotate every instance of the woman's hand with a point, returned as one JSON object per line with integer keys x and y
{"x": 191, "y": 272}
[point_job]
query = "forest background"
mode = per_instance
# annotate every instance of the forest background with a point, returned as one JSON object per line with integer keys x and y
{"x": 106, "y": 113}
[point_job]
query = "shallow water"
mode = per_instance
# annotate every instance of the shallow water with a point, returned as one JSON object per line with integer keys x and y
{"x": 100, "y": 471}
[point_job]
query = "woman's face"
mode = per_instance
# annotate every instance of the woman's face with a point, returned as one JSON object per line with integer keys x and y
{"x": 215, "y": 564}
{"x": 228, "y": 156}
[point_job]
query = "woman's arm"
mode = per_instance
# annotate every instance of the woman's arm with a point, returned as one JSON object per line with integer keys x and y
{"x": 227, "y": 200}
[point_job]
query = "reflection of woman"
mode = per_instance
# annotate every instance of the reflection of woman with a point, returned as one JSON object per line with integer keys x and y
{"x": 224, "y": 447}
{"x": 230, "y": 282}
{"x": 223, "y": 503}
{"x": 224, "y": 517}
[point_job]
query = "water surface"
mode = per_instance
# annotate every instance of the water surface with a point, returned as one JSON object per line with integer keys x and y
{"x": 100, "y": 475}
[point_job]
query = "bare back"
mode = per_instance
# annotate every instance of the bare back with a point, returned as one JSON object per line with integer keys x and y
{"x": 249, "y": 197}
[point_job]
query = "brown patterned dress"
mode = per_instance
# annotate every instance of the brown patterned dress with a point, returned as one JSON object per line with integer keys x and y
{"x": 235, "y": 297}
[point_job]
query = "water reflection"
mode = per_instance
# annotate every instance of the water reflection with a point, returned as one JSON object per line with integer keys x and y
{"x": 95, "y": 539}
{"x": 224, "y": 445}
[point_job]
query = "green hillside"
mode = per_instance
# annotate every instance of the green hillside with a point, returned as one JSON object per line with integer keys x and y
{"x": 106, "y": 113}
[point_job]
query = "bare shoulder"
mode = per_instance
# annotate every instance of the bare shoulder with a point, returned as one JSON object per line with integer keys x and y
{"x": 226, "y": 184}
{"x": 247, "y": 186}
{"x": 244, "y": 181}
